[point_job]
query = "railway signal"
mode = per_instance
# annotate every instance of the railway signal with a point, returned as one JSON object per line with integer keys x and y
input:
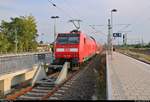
{"x": 125, "y": 39}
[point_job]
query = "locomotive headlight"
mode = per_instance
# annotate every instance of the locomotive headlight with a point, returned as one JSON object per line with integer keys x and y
{"x": 73, "y": 49}
{"x": 60, "y": 50}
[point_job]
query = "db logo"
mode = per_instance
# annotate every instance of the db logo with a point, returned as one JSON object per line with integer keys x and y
{"x": 67, "y": 50}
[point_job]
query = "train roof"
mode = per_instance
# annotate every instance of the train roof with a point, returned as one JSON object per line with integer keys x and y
{"x": 76, "y": 32}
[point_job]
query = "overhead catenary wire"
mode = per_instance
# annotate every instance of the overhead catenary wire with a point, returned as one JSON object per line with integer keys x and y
{"x": 72, "y": 9}
{"x": 60, "y": 9}
{"x": 97, "y": 31}
{"x": 68, "y": 15}
{"x": 53, "y": 4}
{"x": 127, "y": 25}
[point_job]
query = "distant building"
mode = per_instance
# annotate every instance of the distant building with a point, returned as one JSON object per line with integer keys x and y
{"x": 44, "y": 47}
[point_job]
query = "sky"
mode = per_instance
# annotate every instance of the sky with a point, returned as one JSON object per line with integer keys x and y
{"x": 91, "y": 12}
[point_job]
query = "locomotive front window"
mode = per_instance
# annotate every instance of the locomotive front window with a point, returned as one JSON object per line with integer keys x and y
{"x": 73, "y": 40}
{"x": 62, "y": 40}
{"x": 68, "y": 39}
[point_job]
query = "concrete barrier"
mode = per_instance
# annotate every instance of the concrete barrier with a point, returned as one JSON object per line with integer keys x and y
{"x": 10, "y": 79}
{"x": 39, "y": 74}
{"x": 63, "y": 74}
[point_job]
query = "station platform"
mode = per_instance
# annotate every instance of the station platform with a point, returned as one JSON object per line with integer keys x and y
{"x": 127, "y": 78}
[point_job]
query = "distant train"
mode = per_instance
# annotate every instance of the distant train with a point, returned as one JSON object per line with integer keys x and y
{"x": 75, "y": 47}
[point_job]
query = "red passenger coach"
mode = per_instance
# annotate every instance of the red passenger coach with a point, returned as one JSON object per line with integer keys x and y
{"x": 75, "y": 47}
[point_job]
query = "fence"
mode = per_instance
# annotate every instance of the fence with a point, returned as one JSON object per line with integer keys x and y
{"x": 12, "y": 63}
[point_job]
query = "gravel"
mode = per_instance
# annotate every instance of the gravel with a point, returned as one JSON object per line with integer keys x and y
{"x": 84, "y": 86}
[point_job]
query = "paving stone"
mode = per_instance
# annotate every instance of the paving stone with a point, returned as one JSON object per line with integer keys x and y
{"x": 129, "y": 78}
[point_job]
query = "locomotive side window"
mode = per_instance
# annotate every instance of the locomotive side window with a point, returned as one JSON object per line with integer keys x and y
{"x": 84, "y": 40}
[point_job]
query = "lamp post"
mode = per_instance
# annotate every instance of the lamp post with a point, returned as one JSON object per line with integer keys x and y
{"x": 55, "y": 17}
{"x": 109, "y": 38}
{"x": 113, "y": 10}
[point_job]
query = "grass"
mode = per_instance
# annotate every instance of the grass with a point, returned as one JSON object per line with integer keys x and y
{"x": 138, "y": 55}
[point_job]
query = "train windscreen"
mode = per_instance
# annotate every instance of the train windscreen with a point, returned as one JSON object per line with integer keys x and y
{"x": 68, "y": 39}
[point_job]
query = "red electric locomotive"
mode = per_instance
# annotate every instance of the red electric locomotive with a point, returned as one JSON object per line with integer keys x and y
{"x": 75, "y": 47}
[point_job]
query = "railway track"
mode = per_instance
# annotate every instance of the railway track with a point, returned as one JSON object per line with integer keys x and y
{"x": 23, "y": 91}
{"x": 46, "y": 89}
{"x": 43, "y": 88}
{"x": 40, "y": 90}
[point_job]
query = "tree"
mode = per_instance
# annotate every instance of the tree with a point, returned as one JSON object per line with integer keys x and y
{"x": 4, "y": 44}
{"x": 148, "y": 45}
{"x": 21, "y": 30}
